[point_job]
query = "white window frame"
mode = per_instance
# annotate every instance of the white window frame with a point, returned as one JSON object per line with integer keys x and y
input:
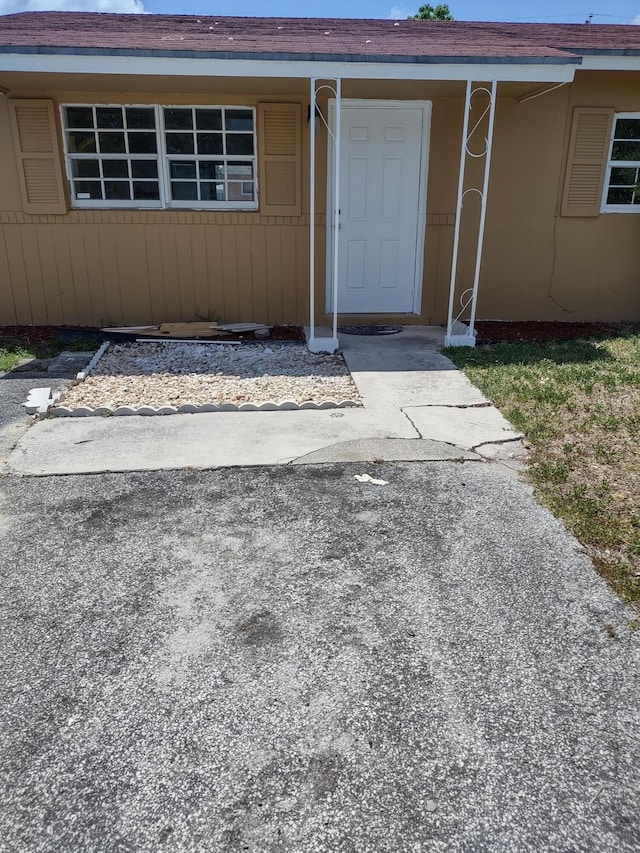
{"x": 631, "y": 164}
{"x": 213, "y": 205}
{"x": 162, "y": 159}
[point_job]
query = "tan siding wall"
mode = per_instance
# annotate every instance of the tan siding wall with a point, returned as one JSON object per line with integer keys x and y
{"x": 97, "y": 273}
{"x": 538, "y": 264}
{"x": 94, "y": 267}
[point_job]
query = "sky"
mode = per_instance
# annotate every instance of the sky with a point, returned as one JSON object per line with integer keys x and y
{"x": 568, "y": 11}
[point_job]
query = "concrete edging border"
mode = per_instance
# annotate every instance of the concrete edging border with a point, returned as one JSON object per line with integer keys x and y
{"x": 188, "y": 408}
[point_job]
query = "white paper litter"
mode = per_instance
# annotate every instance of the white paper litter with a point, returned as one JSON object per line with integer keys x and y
{"x": 365, "y": 478}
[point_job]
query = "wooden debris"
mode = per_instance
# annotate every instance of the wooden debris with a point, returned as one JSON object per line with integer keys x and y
{"x": 171, "y": 330}
{"x": 243, "y": 327}
{"x": 132, "y": 330}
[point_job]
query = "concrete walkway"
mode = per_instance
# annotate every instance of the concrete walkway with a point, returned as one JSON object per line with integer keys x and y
{"x": 417, "y": 406}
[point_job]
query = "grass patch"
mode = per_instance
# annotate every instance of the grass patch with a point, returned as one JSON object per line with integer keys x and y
{"x": 578, "y": 404}
{"x": 11, "y": 354}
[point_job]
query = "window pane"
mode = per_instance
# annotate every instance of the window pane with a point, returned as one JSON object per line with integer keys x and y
{"x": 178, "y": 119}
{"x": 240, "y": 143}
{"x": 236, "y": 191}
{"x": 212, "y": 192}
{"x": 184, "y": 190}
{"x": 624, "y": 176}
{"x": 79, "y": 116}
{"x": 142, "y": 143}
{"x": 117, "y": 190}
{"x": 146, "y": 190}
{"x": 115, "y": 168}
{"x": 144, "y": 169}
{"x": 209, "y": 143}
{"x": 88, "y": 189}
{"x": 240, "y": 190}
{"x": 184, "y": 170}
{"x": 619, "y": 195}
{"x": 81, "y": 143}
{"x": 211, "y": 170}
{"x": 240, "y": 171}
{"x": 141, "y": 118}
{"x": 109, "y": 117}
{"x": 179, "y": 143}
{"x": 85, "y": 168}
{"x": 111, "y": 143}
{"x": 239, "y": 119}
{"x": 209, "y": 119}
{"x": 627, "y": 128}
{"x": 626, "y": 151}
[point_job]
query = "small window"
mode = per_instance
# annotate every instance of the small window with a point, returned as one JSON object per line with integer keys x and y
{"x": 112, "y": 154}
{"x": 211, "y": 156}
{"x": 622, "y": 186}
{"x": 148, "y": 156}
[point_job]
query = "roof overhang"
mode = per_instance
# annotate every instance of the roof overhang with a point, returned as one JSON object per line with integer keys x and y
{"x": 600, "y": 61}
{"x": 545, "y": 70}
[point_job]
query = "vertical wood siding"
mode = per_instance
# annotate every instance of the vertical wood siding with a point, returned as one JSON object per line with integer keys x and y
{"x": 127, "y": 273}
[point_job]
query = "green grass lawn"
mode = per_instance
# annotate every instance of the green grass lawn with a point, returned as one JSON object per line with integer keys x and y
{"x": 10, "y": 354}
{"x": 578, "y": 404}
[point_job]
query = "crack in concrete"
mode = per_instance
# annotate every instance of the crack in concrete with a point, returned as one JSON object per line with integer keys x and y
{"x": 412, "y": 423}
{"x": 450, "y": 406}
{"x": 498, "y": 441}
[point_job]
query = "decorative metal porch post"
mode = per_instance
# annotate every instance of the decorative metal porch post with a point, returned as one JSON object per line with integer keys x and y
{"x": 460, "y": 325}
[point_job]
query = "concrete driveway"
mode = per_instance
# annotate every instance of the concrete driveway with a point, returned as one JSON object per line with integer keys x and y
{"x": 284, "y": 659}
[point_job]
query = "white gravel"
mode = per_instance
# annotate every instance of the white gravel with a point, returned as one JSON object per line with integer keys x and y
{"x": 174, "y": 374}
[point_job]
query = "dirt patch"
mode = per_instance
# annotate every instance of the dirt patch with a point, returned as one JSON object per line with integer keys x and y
{"x": 28, "y": 335}
{"x": 535, "y": 330}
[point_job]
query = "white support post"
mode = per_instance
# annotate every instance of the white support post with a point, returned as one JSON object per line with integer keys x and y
{"x": 312, "y": 215}
{"x": 331, "y": 344}
{"x": 468, "y": 338}
{"x": 456, "y": 230}
{"x": 483, "y": 212}
{"x": 336, "y": 212}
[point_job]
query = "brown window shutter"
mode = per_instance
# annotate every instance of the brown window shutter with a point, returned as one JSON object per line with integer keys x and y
{"x": 39, "y": 167}
{"x": 587, "y": 161}
{"x": 280, "y": 144}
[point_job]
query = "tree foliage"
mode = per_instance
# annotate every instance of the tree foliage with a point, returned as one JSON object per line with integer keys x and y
{"x": 433, "y": 13}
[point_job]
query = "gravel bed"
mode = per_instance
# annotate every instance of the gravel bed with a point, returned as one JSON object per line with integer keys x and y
{"x": 175, "y": 374}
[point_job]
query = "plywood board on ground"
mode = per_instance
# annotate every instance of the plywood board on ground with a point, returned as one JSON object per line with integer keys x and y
{"x": 188, "y": 330}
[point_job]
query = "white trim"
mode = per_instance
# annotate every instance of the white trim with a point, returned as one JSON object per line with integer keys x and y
{"x": 610, "y": 63}
{"x": 631, "y": 164}
{"x": 421, "y": 220}
{"x": 327, "y": 70}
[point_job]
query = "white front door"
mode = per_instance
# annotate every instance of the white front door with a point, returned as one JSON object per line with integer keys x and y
{"x": 383, "y": 165}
